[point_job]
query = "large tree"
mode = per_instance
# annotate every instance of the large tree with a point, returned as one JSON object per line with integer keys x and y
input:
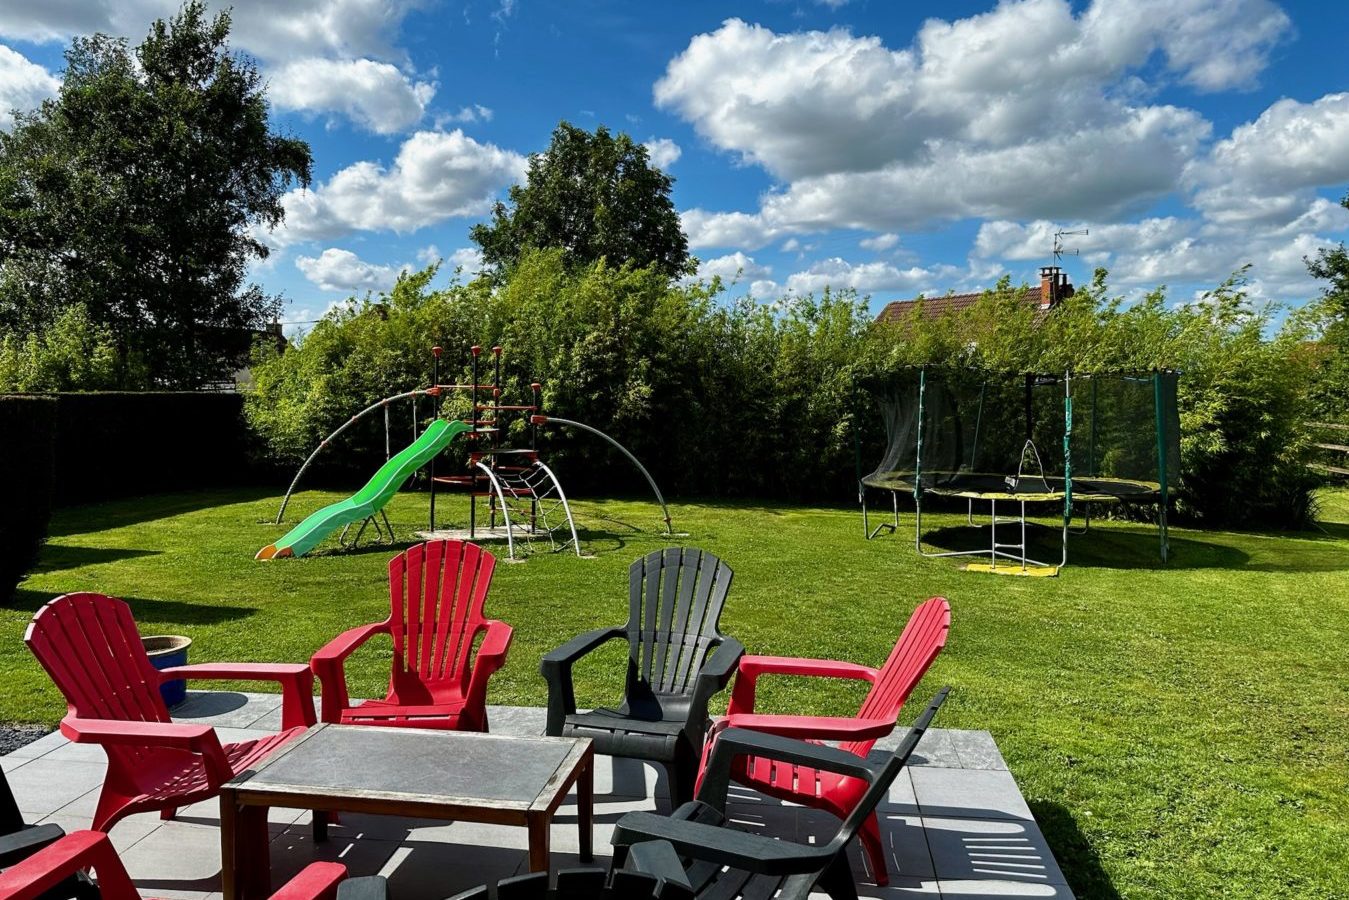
{"x": 136, "y": 193}
{"x": 593, "y": 196}
{"x": 1330, "y": 392}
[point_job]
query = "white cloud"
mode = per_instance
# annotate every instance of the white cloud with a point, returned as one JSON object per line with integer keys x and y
{"x": 865, "y": 278}
{"x": 735, "y": 266}
{"x": 1035, "y": 240}
{"x": 474, "y": 113}
{"x": 341, "y": 270}
{"x": 1268, "y": 169}
{"x": 23, "y": 85}
{"x": 663, "y": 152}
{"x": 880, "y": 242}
{"x": 1009, "y": 114}
{"x": 375, "y": 95}
{"x": 734, "y": 229}
{"x": 467, "y": 258}
{"x": 437, "y": 175}
{"x": 273, "y": 30}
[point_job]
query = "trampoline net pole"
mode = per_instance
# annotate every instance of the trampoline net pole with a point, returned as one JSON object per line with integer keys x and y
{"x": 1159, "y": 399}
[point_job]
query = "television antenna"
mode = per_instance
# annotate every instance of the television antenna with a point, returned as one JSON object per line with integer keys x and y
{"x": 1058, "y": 243}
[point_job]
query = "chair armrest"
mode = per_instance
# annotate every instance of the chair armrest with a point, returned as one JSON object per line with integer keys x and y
{"x": 328, "y": 664}
{"x": 815, "y": 728}
{"x": 734, "y": 742}
{"x": 751, "y": 667}
{"x": 658, "y": 858}
{"x": 296, "y": 680}
{"x": 491, "y": 656}
{"x": 52, "y": 865}
{"x": 725, "y": 846}
{"x": 174, "y": 735}
{"x": 21, "y": 844}
{"x": 316, "y": 881}
{"x": 555, "y": 667}
{"x": 716, "y": 673}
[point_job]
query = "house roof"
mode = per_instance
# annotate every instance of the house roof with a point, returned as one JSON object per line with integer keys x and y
{"x": 936, "y": 307}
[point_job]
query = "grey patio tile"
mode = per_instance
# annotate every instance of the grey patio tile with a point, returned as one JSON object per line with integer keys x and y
{"x": 935, "y": 750}
{"x": 72, "y": 752}
{"x": 83, "y": 806}
{"x": 206, "y": 814}
{"x": 39, "y": 747}
{"x": 229, "y": 709}
{"x": 976, "y": 749}
{"x": 294, "y": 849}
{"x": 986, "y": 849}
{"x": 901, "y": 799}
{"x": 626, "y": 778}
{"x": 44, "y": 786}
{"x": 125, "y": 834}
{"x": 9, "y": 763}
{"x": 968, "y": 793}
{"x": 271, "y": 719}
{"x": 175, "y": 861}
{"x": 518, "y": 720}
{"x": 1002, "y": 890}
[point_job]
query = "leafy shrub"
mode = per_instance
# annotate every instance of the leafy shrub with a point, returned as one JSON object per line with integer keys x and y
{"x": 27, "y": 467}
{"x": 745, "y": 399}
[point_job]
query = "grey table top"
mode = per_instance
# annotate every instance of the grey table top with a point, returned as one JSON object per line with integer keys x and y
{"x": 463, "y": 768}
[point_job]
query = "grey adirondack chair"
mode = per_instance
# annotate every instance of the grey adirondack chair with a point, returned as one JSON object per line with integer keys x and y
{"x": 696, "y": 848}
{"x": 678, "y": 660}
{"x": 580, "y": 884}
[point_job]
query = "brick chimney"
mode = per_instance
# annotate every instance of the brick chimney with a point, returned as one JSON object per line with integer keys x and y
{"x": 1054, "y": 287}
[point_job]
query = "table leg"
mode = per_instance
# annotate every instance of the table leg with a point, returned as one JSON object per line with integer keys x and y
{"x": 245, "y": 857}
{"x": 539, "y": 825}
{"x": 585, "y": 808}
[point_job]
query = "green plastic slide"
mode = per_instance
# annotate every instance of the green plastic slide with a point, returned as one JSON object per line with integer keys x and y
{"x": 369, "y": 499}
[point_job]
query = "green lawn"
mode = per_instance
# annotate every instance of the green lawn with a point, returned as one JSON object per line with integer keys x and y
{"x": 1180, "y": 731}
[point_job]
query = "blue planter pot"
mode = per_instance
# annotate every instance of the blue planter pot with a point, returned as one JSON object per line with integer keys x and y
{"x": 167, "y": 651}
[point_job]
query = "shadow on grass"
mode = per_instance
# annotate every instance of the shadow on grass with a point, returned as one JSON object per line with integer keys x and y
{"x": 1104, "y": 548}
{"x": 1076, "y": 857}
{"x": 56, "y": 557}
{"x": 111, "y": 514}
{"x": 148, "y": 609}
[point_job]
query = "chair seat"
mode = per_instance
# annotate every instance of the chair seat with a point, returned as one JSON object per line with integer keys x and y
{"x": 618, "y": 734}
{"x": 382, "y": 712}
{"x": 714, "y": 880}
{"x": 800, "y": 784}
{"x": 189, "y": 784}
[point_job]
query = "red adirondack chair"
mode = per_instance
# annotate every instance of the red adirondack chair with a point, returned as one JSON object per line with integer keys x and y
{"x": 36, "y": 876}
{"x": 89, "y": 645}
{"x": 918, "y": 645}
{"x": 436, "y": 594}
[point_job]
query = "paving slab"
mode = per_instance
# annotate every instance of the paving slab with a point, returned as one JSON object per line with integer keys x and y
{"x": 968, "y": 793}
{"x": 954, "y": 823}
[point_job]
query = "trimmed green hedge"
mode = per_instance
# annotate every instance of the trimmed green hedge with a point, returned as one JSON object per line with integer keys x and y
{"x": 27, "y": 473}
{"x": 124, "y": 444}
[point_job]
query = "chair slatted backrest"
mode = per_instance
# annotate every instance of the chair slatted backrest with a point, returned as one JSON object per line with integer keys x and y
{"x": 436, "y": 595}
{"x": 922, "y": 639}
{"x": 91, "y": 648}
{"x": 675, "y": 597}
{"x": 880, "y": 786}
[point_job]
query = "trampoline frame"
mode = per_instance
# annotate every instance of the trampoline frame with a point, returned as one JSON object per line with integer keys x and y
{"x": 997, "y": 550}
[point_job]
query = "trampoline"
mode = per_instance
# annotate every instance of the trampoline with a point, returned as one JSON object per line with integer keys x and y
{"x": 1025, "y": 438}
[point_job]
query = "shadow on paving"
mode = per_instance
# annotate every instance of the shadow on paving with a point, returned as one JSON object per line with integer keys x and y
{"x": 1076, "y": 857}
{"x": 111, "y": 514}
{"x": 146, "y": 609}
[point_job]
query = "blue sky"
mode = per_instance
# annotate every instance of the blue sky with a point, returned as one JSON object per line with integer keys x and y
{"x": 895, "y": 148}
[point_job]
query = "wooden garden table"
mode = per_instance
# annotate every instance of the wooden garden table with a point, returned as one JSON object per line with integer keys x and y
{"x": 410, "y": 772}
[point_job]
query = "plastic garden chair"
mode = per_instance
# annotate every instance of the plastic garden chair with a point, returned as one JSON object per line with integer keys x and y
{"x": 677, "y": 661}
{"x": 436, "y": 594}
{"x": 696, "y": 847}
{"x": 918, "y": 645}
{"x": 580, "y": 884}
{"x": 89, "y": 645}
{"x": 71, "y": 855}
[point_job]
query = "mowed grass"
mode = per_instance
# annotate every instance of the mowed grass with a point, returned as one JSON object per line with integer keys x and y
{"x": 1180, "y": 730}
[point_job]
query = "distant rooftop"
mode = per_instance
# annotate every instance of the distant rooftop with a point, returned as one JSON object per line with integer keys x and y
{"x": 1054, "y": 287}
